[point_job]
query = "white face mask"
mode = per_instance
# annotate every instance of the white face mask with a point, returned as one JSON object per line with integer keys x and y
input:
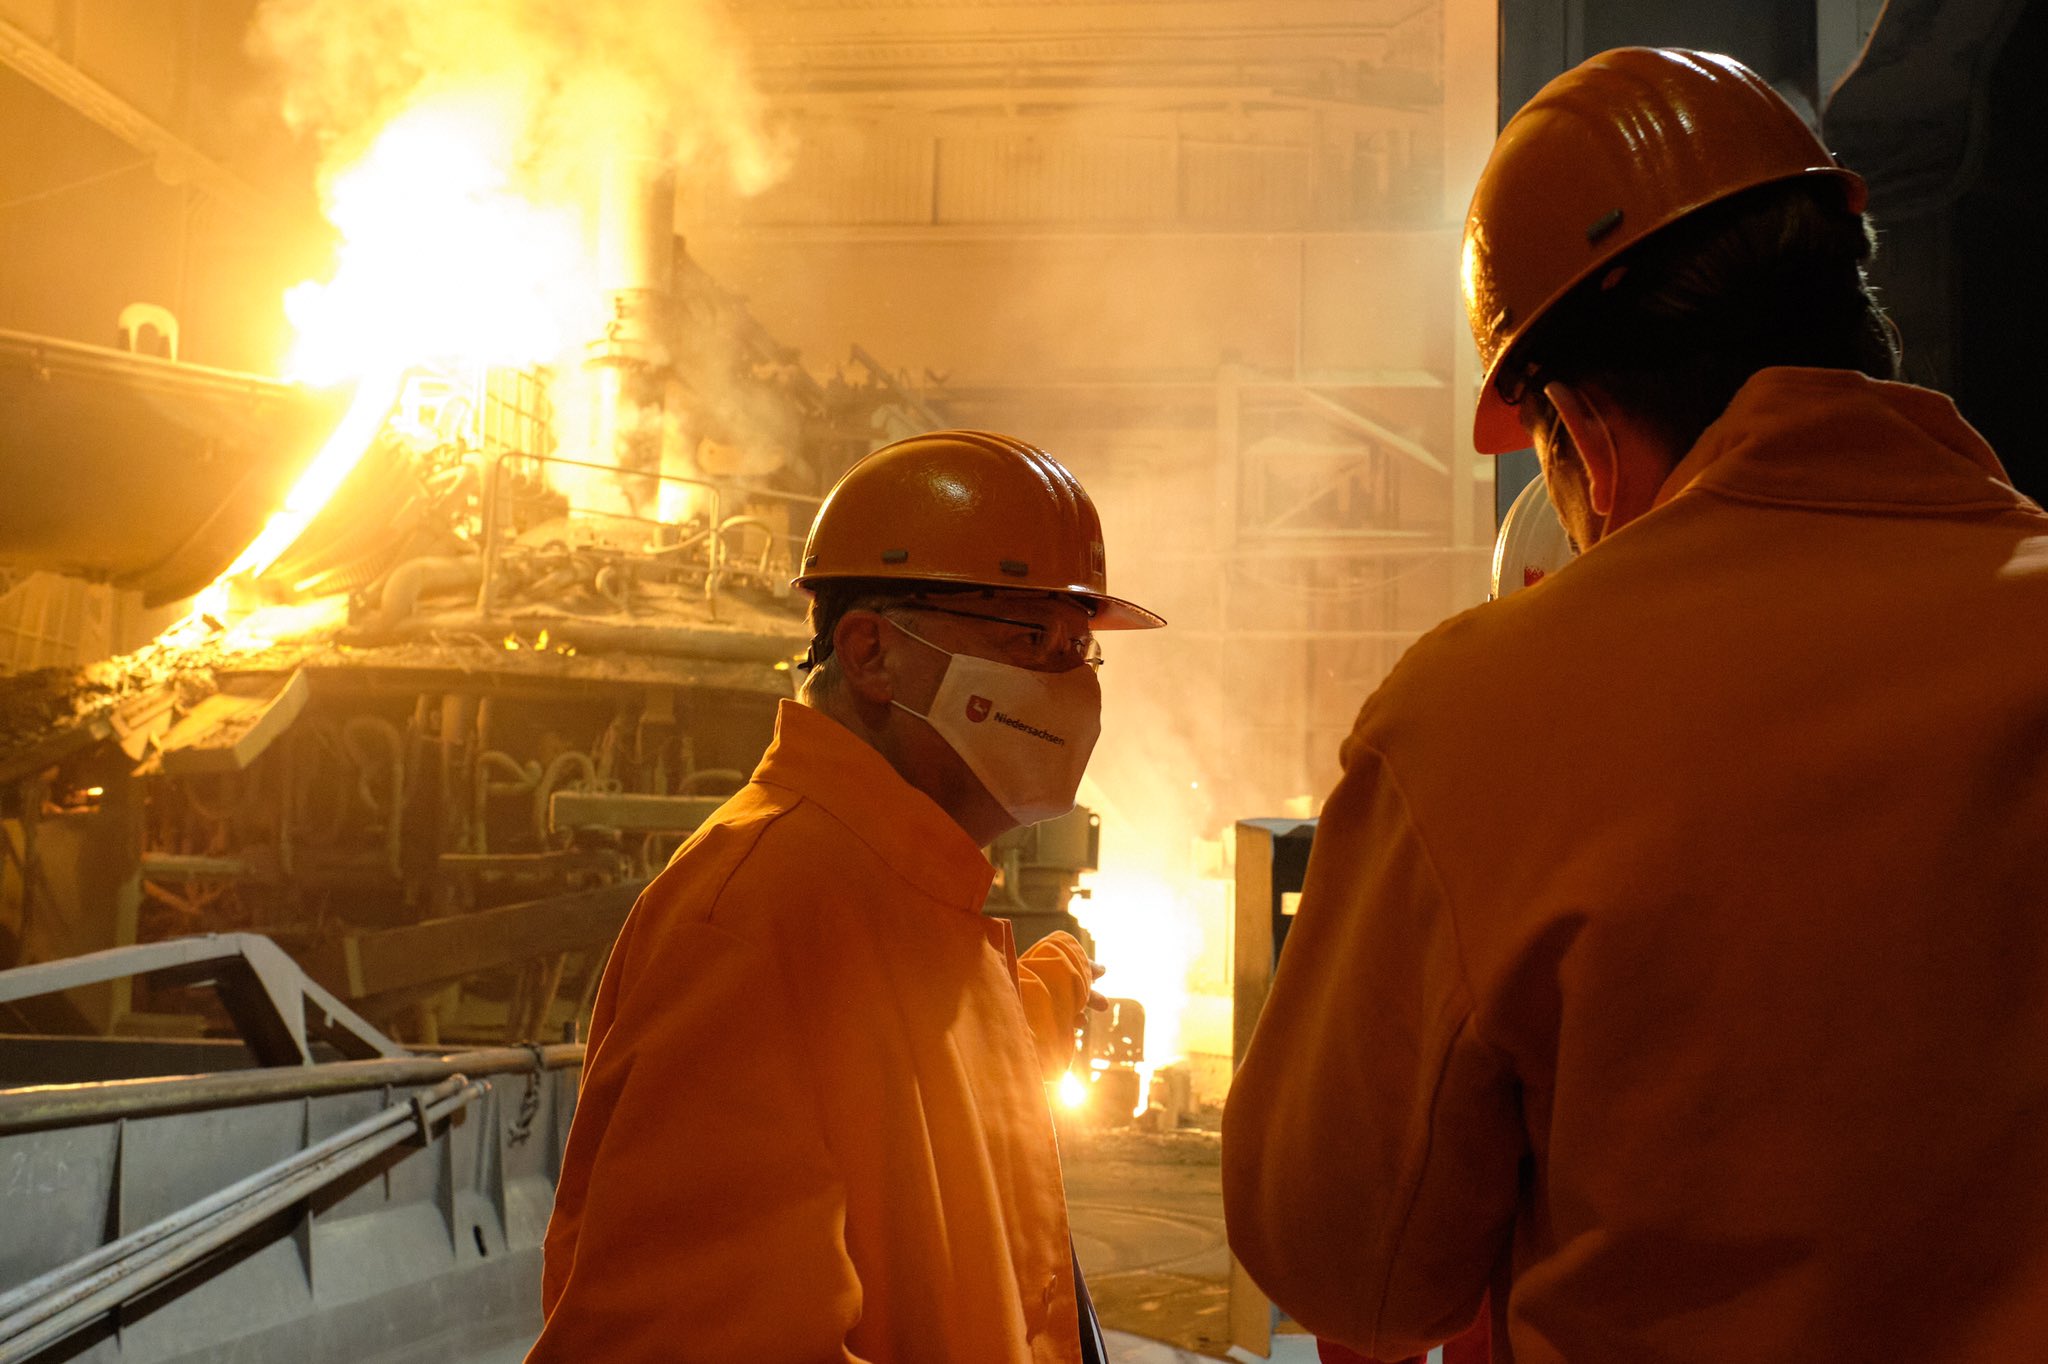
{"x": 1026, "y": 735}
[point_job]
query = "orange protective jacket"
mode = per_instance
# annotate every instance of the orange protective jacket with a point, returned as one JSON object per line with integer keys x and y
{"x": 812, "y": 1125}
{"x": 1674, "y": 950}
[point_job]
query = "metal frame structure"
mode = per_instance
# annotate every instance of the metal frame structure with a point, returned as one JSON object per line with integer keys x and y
{"x": 389, "y": 1208}
{"x": 279, "y": 1011}
{"x": 718, "y": 555}
{"x": 1272, "y": 857}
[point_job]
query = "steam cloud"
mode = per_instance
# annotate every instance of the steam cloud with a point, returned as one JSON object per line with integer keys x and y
{"x": 667, "y": 75}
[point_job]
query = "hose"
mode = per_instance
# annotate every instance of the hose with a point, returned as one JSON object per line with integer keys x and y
{"x": 356, "y": 734}
{"x": 406, "y": 584}
{"x": 548, "y": 781}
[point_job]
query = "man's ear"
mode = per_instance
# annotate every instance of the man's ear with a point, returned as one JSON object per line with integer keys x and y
{"x": 857, "y": 644}
{"x": 1593, "y": 438}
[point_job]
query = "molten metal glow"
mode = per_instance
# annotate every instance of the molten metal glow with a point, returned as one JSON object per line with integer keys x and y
{"x": 444, "y": 260}
{"x": 1144, "y": 1070}
{"x": 336, "y": 461}
{"x": 445, "y": 255}
{"x": 1149, "y": 936}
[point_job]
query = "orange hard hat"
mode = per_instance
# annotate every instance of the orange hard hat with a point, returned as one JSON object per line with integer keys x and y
{"x": 970, "y": 508}
{"x": 1614, "y": 149}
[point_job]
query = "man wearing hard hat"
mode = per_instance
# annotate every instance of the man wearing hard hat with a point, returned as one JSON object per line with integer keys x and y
{"x": 1673, "y": 959}
{"x": 812, "y": 1124}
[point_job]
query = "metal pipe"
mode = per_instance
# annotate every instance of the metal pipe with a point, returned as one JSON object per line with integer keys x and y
{"x": 407, "y": 583}
{"x": 720, "y": 776}
{"x": 487, "y": 583}
{"x": 72, "y": 1296}
{"x": 546, "y": 785}
{"x": 41, "y": 1106}
{"x": 554, "y": 863}
{"x": 709, "y": 643}
{"x": 769, "y": 535}
{"x": 167, "y": 865}
{"x": 381, "y": 730}
{"x": 713, "y": 644}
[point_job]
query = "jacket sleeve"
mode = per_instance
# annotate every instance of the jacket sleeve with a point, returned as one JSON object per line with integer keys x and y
{"x": 698, "y": 1216}
{"x": 1054, "y": 980}
{"x": 1372, "y": 1141}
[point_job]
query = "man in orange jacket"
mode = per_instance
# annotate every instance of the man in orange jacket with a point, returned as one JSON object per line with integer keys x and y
{"x": 1673, "y": 957}
{"x": 812, "y": 1124}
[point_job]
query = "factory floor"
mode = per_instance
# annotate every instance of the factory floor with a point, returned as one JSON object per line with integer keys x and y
{"x": 1147, "y": 1215}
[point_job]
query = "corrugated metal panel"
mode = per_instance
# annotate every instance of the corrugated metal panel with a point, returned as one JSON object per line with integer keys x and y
{"x": 1263, "y": 170}
{"x": 853, "y": 175}
{"x": 843, "y": 175}
{"x": 49, "y": 621}
{"x": 1032, "y": 178}
{"x": 1226, "y": 184}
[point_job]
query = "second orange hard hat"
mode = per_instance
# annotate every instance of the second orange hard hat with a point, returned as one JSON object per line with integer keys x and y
{"x": 967, "y": 508}
{"x": 1606, "y": 154}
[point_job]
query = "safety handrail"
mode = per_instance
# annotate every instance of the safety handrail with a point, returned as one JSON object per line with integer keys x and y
{"x": 46, "y": 1309}
{"x": 41, "y": 1106}
{"x": 719, "y": 492}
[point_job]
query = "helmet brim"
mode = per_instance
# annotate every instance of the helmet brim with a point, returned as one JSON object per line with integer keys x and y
{"x": 1110, "y": 613}
{"x": 1114, "y": 613}
{"x": 1496, "y": 430}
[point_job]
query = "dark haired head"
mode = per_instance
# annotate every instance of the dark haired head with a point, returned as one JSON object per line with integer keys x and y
{"x": 1670, "y": 332}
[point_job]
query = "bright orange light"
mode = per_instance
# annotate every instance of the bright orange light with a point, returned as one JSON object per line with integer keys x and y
{"x": 1144, "y": 1069}
{"x": 1073, "y": 1090}
{"x": 445, "y": 257}
{"x": 445, "y": 260}
{"x": 335, "y": 462}
{"x": 1149, "y": 937}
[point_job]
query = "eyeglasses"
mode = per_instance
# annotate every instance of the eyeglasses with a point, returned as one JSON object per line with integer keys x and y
{"x": 1072, "y": 651}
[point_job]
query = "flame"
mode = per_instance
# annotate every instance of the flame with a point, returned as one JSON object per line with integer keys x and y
{"x": 468, "y": 132}
{"x": 337, "y": 459}
{"x": 1149, "y": 937}
{"x": 443, "y": 261}
{"x": 445, "y": 256}
{"x": 1144, "y": 1070}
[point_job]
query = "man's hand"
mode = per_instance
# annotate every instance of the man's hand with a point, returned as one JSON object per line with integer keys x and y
{"x": 1097, "y": 1001}
{"x": 1055, "y": 980}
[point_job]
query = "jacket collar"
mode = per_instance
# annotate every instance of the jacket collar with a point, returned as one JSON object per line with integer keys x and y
{"x": 1835, "y": 438}
{"x": 821, "y": 760}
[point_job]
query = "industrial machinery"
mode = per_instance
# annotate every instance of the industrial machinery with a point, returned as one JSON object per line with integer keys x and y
{"x": 1038, "y": 878}
{"x": 1038, "y": 874}
{"x": 472, "y": 651}
{"x": 1272, "y": 866}
{"x": 302, "y": 1189}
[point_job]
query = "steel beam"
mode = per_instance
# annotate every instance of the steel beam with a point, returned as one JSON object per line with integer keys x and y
{"x": 276, "y": 1007}
{"x": 1353, "y": 420}
{"x": 178, "y": 162}
{"x": 443, "y": 950}
{"x": 630, "y": 812}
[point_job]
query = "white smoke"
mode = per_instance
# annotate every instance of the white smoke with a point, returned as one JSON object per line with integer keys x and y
{"x": 584, "y": 74}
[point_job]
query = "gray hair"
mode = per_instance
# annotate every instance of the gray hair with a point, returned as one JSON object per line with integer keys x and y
{"x": 830, "y": 603}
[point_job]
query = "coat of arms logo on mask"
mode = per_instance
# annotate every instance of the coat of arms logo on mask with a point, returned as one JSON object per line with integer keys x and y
{"x": 1031, "y": 757}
